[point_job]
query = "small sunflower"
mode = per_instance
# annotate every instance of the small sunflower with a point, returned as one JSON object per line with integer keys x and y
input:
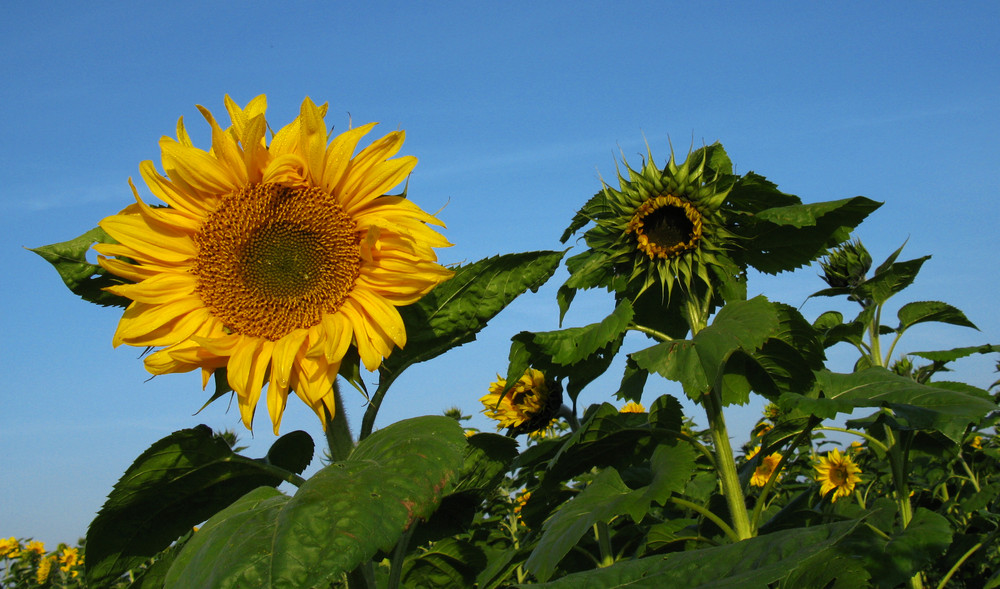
{"x": 68, "y": 559}
{"x": 272, "y": 258}
{"x": 660, "y": 227}
{"x": 632, "y": 407}
{"x": 528, "y": 406}
{"x": 768, "y": 464}
{"x": 9, "y": 547}
{"x": 44, "y": 569}
{"x": 837, "y": 473}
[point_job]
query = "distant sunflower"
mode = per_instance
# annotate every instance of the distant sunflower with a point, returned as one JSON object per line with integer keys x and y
{"x": 837, "y": 473}
{"x": 632, "y": 407}
{"x": 767, "y": 465}
{"x": 272, "y": 259}
{"x": 528, "y": 406}
{"x": 661, "y": 226}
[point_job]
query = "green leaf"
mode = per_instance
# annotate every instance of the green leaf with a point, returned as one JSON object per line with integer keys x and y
{"x": 633, "y": 382}
{"x": 957, "y": 353}
{"x": 487, "y": 458}
{"x": 177, "y": 483}
{"x": 890, "y": 280}
{"x": 783, "y": 238}
{"x": 751, "y": 564}
{"x": 919, "y": 312}
{"x": 922, "y": 406}
{"x": 605, "y": 498}
{"x": 447, "y": 563}
{"x": 336, "y": 520}
{"x": 292, "y": 452}
{"x": 572, "y": 345}
{"x": 86, "y": 280}
{"x": 697, "y": 363}
{"x": 232, "y": 550}
{"x": 455, "y": 311}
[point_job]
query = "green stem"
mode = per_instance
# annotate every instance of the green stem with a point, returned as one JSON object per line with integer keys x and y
{"x": 368, "y": 421}
{"x": 398, "y": 556}
{"x": 338, "y": 432}
{"x": 657, "y": 335}
{"x": 963, "y": 558}
{"x": 726, "y": 465}
{"x": 871, "y": 440}
{"x": 972, "y": 477}
{"x": 726, "y": 529}
{"x": 876, "y": 350}
{"x": 604, "y": 544}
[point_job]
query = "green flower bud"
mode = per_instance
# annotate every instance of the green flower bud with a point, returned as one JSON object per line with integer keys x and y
{"x": 847, "y": 265}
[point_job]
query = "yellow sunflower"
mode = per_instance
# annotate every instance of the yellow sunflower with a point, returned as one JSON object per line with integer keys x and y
{"x": 272, "y": 258}
{"x": 767, "y": 465}
{"x": 837, "y": 473}
{"x": 632, "y": 407}
{"x": 528, "y": 406}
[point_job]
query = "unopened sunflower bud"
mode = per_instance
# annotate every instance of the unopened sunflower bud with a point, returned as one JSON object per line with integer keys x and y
{"x": 847, "y": 265}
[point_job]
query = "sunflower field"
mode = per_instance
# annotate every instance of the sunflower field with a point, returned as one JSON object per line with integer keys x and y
{"x": 279, "y": 262}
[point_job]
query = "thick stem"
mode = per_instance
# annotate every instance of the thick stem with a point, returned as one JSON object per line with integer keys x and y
{"x": 726, "y": 466}
{"x": 604, "y": 544}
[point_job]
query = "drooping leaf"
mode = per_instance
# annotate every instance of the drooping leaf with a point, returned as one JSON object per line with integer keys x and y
{"x": 782, "y": 238}
{"x": 292, "y": 452}
{"x": 572, "y": 345}
{"x": 633, "y": 382}
{"x": 923, "y": 406}
{"x": 697, "y": 363}
{"x": 487, "y": 458}
{"x": 84, "y": 279}
{"x": 751, "y": 564}
{"x": 337, "y": 519}
{"x": 447, "y": 563}
{"x": 455, "y": 311}
{"x": 177, "y": 483}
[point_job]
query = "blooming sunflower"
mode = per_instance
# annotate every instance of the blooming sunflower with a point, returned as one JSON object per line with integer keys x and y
{"x": 661, "y": 226}
{"x": 528, "y": 406}
{"x": 9, "y": 547}
{"x": 837, "y": 473}
{"x": 272, "y": 258}
{"x": 767, "y": 465}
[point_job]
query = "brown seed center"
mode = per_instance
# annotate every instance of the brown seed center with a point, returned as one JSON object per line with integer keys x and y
{"x": 272, "y": 259}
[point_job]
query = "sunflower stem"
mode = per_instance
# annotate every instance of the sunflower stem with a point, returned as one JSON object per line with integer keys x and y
{"x": 726, "y": 465}
{"x": 338, "y": 432}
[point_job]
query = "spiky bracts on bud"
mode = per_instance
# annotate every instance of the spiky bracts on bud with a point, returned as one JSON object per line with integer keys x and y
{"x": 847, "y": 265}
{"x": 659, "y": 227}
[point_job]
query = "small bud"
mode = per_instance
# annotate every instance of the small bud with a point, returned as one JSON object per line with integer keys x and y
{"x": 847, "y": 265}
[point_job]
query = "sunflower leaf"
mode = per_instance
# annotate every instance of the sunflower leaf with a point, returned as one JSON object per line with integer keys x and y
{"x": 756, "y": 563}
{"x": 570, "y": 346}
{"x": 924, "y": 407}
{"x": 890, "y": 280}
{"x": 922, "y": 311}
{"x": 84, "y": 279}
{"x": 605, "y": 498}
{"x": 783, "y": 238}
{"x": 337, "y": 519}
{"x": 455, "y": 311}
{"x": 177, "y": 483}
{"x": 957, "y": 353}
{"x": 447, "y": 563}
{"x": 697, "y": 363}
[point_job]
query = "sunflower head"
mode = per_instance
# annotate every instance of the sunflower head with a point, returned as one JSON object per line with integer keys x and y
{"x": 662, "y": 227}
{"x": 632, "y": 407}
{"x": 276, "y": 258}
{"x": 527, "y": 406}
{"x": 837, "y": 473}
{"x": 768, "y": 464}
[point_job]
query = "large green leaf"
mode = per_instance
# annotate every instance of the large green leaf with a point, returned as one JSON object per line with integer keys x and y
{"x": 957, "y": 353}
{"x": 447, "y": 563}
{"x": 783, "y": 238}
{"x": 751, "y": 564}
{"x": 922, "y": 406}
{"x": 83, "y": 278}
{"x": 336, "y": 520}
{"x": 608, "y": 497}
{"x": 455, "y": 311}
{"x": 569, "y": 346}
{"x": 179, "y": 482}
{"x": 698, "y": 363}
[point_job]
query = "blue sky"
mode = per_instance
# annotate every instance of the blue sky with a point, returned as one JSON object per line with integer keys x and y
{"x": 515, "y": 111}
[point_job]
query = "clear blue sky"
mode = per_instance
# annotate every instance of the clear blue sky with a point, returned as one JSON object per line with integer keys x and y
{"x": 515, "y": 110}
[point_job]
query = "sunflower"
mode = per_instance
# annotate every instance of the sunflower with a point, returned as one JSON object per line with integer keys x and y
{"x": 529, "y": 405}
{"x": 767, "y": 465}
{"x": 660, "y": 227}
{"x": 632, "y": 407}
{"x": 272, "y": 258}
{"x": 837, "y": 473}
